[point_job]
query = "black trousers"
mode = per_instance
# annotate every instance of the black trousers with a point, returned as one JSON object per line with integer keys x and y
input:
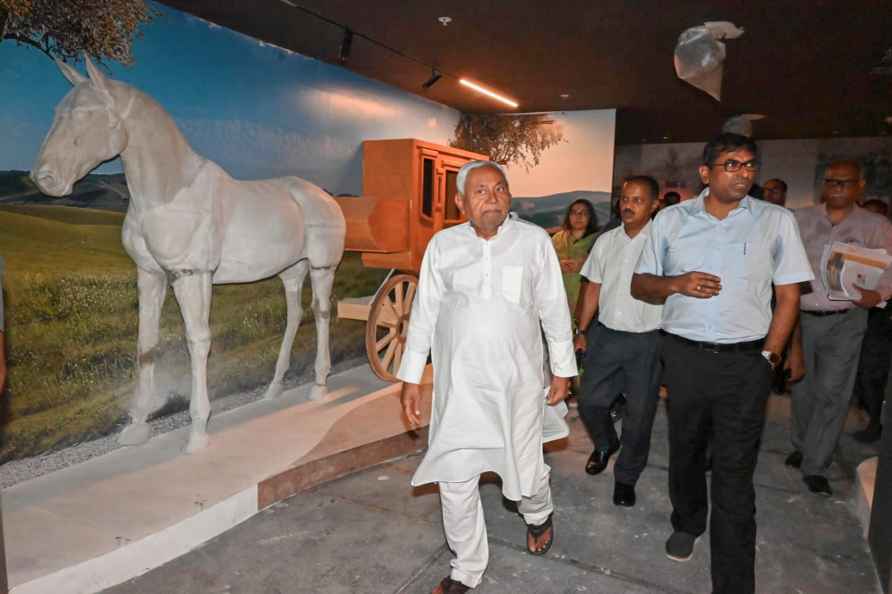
{"x": 873, "y": 367}
{"x": 628, "y": 363}
{"x": 716, "y": 398}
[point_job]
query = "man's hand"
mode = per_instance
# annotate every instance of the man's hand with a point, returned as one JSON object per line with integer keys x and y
{"x": 411, "y": 399}
{"x": 795, "y": 365}
{"x": 701, "y": 285}
{"x": 560, "y": 388}
{"x": 579, "y": 343}
{"x": 869, "y": 299}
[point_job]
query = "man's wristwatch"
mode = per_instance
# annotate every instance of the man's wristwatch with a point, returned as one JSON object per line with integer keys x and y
{"x": 772, "y": 358}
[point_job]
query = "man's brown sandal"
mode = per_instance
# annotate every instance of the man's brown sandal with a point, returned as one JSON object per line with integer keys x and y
{"x": 450, "y": 586}
{"x": 536, "y": 532}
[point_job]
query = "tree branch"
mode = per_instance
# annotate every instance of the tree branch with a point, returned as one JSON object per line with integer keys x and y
{"x": 29, "y": 41}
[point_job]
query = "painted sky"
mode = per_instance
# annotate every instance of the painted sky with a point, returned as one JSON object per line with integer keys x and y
{"x": 584, "y": 161}
{"x": 257, "y": 110}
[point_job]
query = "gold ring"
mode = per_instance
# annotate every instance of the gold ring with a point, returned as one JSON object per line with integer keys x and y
{"x": 699, "y": 288}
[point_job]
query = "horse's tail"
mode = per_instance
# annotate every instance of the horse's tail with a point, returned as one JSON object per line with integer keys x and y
{"x": 325, "y": 226}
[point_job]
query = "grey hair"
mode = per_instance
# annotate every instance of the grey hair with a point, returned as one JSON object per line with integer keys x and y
{"x": 471, "y": 166}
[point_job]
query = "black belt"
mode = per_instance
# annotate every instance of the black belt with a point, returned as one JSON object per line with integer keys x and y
{"x": 829, "y": 312}
{"x": 718, "y": 347}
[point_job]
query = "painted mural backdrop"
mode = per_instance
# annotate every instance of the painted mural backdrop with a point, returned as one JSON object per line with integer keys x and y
{"x": 579, "y": 166}
{"x": 257, "y": 110}
{"x": 70, "y": 289}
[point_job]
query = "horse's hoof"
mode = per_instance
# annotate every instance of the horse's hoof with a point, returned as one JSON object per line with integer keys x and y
{"x": 273, "y": 391}
{"x": 135, "y": 434}
{"x": 197, "y": 441}
{"x": 318, "y": 392}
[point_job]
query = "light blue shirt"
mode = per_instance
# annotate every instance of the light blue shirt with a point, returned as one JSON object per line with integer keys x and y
{"x": 755, "y": 246}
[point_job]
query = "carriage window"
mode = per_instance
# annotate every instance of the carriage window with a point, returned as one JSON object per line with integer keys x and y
{"x": 427, "y": 187}
{"x": 452, "y": 212}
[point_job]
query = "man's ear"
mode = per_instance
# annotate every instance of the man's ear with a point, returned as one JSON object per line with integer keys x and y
{"x": 459, "y": 202}
{"x": 704, "y": 174}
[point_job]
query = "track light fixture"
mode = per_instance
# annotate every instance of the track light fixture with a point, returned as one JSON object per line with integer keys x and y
{"x": 435, "y": 76}
{"x": 346, "y": 46}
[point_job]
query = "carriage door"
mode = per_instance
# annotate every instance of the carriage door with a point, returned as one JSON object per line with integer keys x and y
{"x": 449, "y": 167}
{"x": 427, "y": 211}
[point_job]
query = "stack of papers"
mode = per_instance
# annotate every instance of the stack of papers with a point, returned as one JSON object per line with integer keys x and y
{"x": 844, "y": 265}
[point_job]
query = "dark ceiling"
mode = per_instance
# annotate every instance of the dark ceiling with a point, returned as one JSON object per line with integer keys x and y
{"x": 814, "y": 68}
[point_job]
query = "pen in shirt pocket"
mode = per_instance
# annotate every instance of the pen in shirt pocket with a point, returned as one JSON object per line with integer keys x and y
{"x": 744, "y": 248}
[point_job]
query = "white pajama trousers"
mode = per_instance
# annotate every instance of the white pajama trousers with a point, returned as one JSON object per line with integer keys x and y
{"x": 465, "y": 527}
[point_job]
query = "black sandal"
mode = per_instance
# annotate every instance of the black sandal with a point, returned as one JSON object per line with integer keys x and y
{"x": 450, "y": 586}
{"x": 537, "y": 531}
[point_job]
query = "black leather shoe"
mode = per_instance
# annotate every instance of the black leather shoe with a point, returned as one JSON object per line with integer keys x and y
{"x": 597, "y": 462}
{"x": 624, "y": 495}
{"x": 794, "y": 459}
{"x": 818, "y": 485}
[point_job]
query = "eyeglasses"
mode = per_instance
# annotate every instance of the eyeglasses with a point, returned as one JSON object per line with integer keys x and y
{"x": 733, "y": 165}
{"x": 840, "y": 183}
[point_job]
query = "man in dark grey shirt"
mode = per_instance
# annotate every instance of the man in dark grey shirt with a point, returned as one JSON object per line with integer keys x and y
{"x": 827, "y": 342}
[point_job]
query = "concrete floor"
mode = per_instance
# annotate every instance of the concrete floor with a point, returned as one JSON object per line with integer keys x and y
{"x": 370, "y": 532}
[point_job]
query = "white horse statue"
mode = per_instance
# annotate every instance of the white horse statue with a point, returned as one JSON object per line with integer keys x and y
{"x": 189, "y": 224}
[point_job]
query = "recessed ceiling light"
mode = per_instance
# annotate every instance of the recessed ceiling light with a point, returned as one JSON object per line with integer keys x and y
{"x": 665, "y": 138}
{"x": 565, "y": 95}
{"x": 444, "y": 20}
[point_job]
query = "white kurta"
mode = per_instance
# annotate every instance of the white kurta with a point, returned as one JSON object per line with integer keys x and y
{"x": 480, "y": 310}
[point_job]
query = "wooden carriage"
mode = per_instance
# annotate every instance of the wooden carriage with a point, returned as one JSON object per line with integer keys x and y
{"x": 408, "y": 187}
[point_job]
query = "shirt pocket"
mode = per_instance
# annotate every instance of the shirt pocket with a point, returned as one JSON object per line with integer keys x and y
{"x": 684, "y": 257}
{"x": 512, "y": 283}
{"x": 466, "y": 279}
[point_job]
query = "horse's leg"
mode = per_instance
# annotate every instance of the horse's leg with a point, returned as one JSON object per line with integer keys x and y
{"x": 152, "y": 290}
{"x": 193, "y": 292}
{"x": 293, "y": 279}
{"x": 322, "y": 280}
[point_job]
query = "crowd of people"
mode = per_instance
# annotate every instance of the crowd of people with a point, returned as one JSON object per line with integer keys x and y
{"x": 711, "y": 297}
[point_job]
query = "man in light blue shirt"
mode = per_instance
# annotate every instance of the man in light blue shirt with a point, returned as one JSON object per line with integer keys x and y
{"x": 712, "y": 262}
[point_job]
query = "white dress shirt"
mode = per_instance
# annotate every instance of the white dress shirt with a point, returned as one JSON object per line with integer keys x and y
{"x": 611, "y": 264}
{"x": 481, "y": 309}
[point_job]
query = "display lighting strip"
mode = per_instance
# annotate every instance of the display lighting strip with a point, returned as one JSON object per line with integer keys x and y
{"x": 484, "y": 91}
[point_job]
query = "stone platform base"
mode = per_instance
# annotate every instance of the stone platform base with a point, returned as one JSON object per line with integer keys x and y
{"x": 100, "y": 523}
{"x": 865, "y": 479}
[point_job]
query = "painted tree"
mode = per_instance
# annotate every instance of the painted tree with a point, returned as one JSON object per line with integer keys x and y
{"x": 508, "y": 139}
{"x": 63, "y": 29}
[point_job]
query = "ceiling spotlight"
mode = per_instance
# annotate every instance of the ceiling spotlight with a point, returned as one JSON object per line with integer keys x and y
{"x": 565, "y": 95}
{"x": 346, "y": 46}
{"x": 435, "y": 76}
{"x": 491, "y": 94}
{"x": 444, "y": 20}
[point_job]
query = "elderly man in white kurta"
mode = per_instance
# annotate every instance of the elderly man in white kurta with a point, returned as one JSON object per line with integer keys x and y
{"x": 487, "y": 292}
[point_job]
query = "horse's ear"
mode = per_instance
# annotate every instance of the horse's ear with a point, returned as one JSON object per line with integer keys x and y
{"x": 73, "y": 76}
{"x": 99, "y": 80}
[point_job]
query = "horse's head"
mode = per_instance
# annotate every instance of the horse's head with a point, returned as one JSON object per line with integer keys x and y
{"x": 87, "y": 130}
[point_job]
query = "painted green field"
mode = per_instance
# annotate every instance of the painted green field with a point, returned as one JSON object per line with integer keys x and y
{"x": 71, "y": 319}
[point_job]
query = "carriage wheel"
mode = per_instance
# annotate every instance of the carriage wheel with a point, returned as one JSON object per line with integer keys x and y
{"x": 385, "y": 331}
